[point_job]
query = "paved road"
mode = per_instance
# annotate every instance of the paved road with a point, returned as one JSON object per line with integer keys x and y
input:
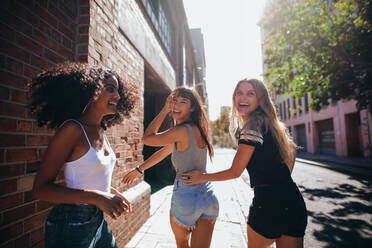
{"x": 339, "y": 207}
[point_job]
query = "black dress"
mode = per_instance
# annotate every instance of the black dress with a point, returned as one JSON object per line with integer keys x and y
{"x": 278, "y": 207}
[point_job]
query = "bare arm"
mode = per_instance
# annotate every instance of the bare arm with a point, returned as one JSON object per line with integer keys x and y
{"x": 56, "y": 155}
{"x": 152, "y": 138}
{"x": 241, "y": 159}
{"x": 148, "y": 163}
{"x": 155, "y": 124}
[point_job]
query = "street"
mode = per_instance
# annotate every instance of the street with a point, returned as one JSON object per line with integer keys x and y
{"x": 339, "y": 205}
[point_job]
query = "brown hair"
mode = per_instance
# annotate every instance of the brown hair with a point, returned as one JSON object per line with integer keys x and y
{"x": 264, "y": 118}
{"x": 198, "y": 116}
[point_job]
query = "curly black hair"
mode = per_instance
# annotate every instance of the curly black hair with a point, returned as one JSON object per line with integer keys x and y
{"x": 63, "y": 92}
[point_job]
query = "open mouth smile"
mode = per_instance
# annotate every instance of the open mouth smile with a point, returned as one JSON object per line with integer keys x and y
{"x": 112, "y": 103}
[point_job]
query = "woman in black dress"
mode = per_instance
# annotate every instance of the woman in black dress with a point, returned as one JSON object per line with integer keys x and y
{"x": 278, "y": 212}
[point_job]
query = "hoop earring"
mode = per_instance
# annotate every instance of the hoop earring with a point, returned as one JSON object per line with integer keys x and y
{"x": 85, "y": 108}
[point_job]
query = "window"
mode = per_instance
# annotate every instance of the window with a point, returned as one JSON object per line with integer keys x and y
{"x": 294, "y": 105}
{"x": 300, "y": 106}
{"x": 288, "y": 108}
{"x": 160, "y": 21}
{"x": 281, "y": 110}
{"x": 285, "y": 112}
{"x": 306, "y": 103}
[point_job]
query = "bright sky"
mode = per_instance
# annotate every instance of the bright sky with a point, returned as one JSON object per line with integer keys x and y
{"x": 232, "y": 42}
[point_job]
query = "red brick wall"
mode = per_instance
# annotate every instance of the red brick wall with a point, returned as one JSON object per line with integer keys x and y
{"x": 108, "y": 46}
{"x": 34, "y": 35}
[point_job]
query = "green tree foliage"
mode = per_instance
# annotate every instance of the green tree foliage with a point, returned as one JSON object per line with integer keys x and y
{"x": 320, "y": 47}
{"x": 220, "y": 130}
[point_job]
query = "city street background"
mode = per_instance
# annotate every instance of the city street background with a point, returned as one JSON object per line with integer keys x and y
{"x": 339, "y": 209}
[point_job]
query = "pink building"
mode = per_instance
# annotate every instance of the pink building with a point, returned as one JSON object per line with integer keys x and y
{"x": 336, "y": 129}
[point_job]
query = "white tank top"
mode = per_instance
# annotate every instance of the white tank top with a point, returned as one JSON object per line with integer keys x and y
{"x": 93, "y": 170}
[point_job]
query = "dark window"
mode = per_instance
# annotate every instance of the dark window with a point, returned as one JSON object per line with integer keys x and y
{"x": 300, "y": 105}
{"x": 281, "y": 110}
{"x": 160, "y": 21}
{"x": 288, "y": 108}
{"x": 306, "y": 103}
{"x": 294, "y": 105}
{"x": 155, "y": 6}
{"x": 285, "y": 112}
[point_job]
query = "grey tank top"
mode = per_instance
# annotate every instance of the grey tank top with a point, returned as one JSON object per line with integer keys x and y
{"x": 193, "y": 158}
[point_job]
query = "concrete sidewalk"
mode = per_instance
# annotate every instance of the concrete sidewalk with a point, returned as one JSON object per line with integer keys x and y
{"x": 234, "y": 196}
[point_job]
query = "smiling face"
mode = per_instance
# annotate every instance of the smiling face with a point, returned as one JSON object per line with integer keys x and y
{"x": 108, "y": 98}
{"x": 181, "y": 109}
{"x": 245, "y": 99}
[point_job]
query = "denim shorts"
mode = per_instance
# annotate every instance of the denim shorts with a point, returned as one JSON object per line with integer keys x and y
{"x": 77, "y": 225}
{"x": 189, "y": 203}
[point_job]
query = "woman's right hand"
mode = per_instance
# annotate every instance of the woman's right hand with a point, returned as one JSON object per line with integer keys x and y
{"x": 110, "y": 204}
{"x": 168, "y": 102}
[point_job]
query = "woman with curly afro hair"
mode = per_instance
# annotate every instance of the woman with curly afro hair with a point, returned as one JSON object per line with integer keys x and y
{"x": 80, "y": 102}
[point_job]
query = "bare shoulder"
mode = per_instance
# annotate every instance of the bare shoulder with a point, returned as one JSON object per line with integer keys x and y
{"x": 69, "y": 131}
{"x": 181, "y": 130}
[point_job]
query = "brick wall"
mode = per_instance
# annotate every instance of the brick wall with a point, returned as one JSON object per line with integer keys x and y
{"x": 34, "y": 35}
{"x": 110, "y": 47}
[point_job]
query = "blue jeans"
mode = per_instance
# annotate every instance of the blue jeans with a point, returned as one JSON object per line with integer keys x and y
{"x": 77, "y": 225}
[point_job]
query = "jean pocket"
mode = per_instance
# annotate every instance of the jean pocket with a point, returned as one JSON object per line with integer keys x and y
{"x": 184, "y": 203}
{"x": 80, "y": 218}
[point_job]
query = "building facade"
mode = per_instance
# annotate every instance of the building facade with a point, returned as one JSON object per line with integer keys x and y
{"x": 338, "y": 129}
{"x": 146, "y": 41}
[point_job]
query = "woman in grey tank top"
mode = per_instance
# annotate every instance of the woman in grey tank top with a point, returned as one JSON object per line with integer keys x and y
{"x": 194, "y": 209}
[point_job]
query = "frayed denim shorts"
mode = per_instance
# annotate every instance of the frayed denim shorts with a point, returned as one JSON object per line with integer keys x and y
{"x": 77, "y": 225}
{"x": 190, "y": 203}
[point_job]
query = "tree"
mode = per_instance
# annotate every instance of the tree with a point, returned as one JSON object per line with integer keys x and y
{"x": 320, "y": 47}
{"x": 220, "y": 130}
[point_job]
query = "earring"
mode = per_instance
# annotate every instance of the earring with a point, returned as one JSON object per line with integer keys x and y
{"x": 85, "y": 108}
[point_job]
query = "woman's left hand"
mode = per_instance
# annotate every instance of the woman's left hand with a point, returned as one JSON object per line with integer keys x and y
{"x": 192, "y": 177}
{"x": 128, "y": 208}
{"x": 129, "y": 178}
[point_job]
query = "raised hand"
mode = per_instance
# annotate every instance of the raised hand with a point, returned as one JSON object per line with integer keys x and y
{"x": 168, "y": 102}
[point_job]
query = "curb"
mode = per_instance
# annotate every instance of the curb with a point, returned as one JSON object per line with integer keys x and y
{"x": 347, "y": 169}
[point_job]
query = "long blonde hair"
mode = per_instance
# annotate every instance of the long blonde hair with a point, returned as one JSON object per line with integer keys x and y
{"x": 264, "y": 118}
